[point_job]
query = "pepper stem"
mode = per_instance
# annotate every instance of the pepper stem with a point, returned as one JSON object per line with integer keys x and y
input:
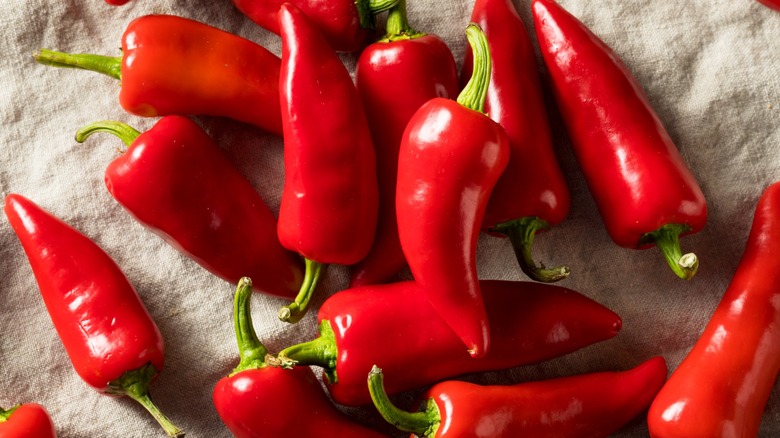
{"x": 475, "y": 92}
{"x": 107, "y": 65}
{"x": 423, "y": 423}
{"x": 521, "y": 233}
{"x": 125, "y": 132}
{"x": 135, "y": 384}
{"x": 294, "y": 311}
{"x": 397, "y": 27}
{"x": 667, "y": 239}
{"x": 368, "y": 8}
{"x": 251, "y": 351}
{"x": 321, "y": 352}
{"x": 5, "y": 414}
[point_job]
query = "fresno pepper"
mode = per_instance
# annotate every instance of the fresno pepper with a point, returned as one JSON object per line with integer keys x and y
{"x": 531, "y": 195}
{"x": 772, "y": 4}
{"x": 722, "y": 386}
{"x": 346, "y": 24}
{"x": 173, "y": 180}
{"x": 644, "y": 191}
{"x": 174, "y": 65}
{"x": 257, "y": 400}
{"x": 29, "y": 420}
{"x": 395, "y": 76}
{"x": 113, "y": 343}
{"x": 329, "y": 204}
{"x": 530, "y": 322}
{"x": 117, "y": 2}
{"x": 589, "y": 405}
{"x": 450, "y": 158}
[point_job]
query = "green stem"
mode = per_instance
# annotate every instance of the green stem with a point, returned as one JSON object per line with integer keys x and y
{"x": 397, "y": 27}
{"x": 125, "y": 132}
{"x": 368, "y": 8}
{"x": 321, "y": 352}
{"x": 5, "y": 414}
{"x": 667, "y": 239}
{"x": 294, "y": 311}
{"x": 250, "y": 349}
{"x": 475, "y": 92}
{"x": 521, "y": 233}
{"x": 135, "y": 384}
{"x": 423, "y": 423}
{"x": 107, "y": 65}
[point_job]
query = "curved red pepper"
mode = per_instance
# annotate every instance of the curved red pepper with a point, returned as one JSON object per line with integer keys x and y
{"x": 451, "y": 156}
{"x": 117, "y": 2}
{"x": 772, "y": 4}
{"x": 174, "y": 65}
{"x": 29, "y": 420}
{"x": 722, "y": 386}
{"x": 395, "y": 76}
{"x": 329, "y": 203}
{"x": 257, "y": 400}
{"x": 530, "y": 323}
{"x": 113, "y": 343}
{"x": 645, "y": 192}
{"x": 588, "y": 406}
{"x": 532, "y": 194}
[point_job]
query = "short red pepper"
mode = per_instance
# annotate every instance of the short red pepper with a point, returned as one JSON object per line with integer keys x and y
{"x": 113, "y": 343}
{"x": 589, "y": 405}
{"x": 176, "y": 181}
{"x": 257, "y": 400}
{"x": 722, "y": 386}
{"x": 531, "y": 323}
{"x": 532, "y": 194}
{"x": 395, "y": 76}
{"x": 29, "y": 420}
{"x": 645, "y": 192}
{"x": 174, "y": 65}
{"x": 117, "y": 2}
{"x": 330, "y": 199}
{"x": 450, "y": 158}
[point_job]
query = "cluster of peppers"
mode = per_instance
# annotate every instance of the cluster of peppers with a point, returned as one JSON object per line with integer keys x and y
{"x": 413, "y": 183}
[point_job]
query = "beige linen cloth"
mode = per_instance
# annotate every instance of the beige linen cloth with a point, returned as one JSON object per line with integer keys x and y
{"x": 711, "y": 69}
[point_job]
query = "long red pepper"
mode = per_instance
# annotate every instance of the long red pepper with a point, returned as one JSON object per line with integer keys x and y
{"x": 174, "y": 180}
{"x": 29, "y": 420}
{"x": 329, "y": 205}
{"x": 531, "y": 195}
{"x": 113, "y": 343}
{"x": 530, "y": 322}
{"x": 450, "y": 158}
{"x": 722, "y": 386}
{"x": 645, "y": 192}
{"x": 588, "y": 406}
{"x": 174, "y": 65}
{"x": 257, "y": 400}
{"x": 395, "y": 76}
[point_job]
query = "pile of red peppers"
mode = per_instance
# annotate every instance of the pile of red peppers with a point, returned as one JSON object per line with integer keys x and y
{"x": 406, "y": 165}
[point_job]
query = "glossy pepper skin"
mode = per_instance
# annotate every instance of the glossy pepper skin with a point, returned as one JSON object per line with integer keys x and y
{"x": 117, "y": 2}
{"x": 113, "y": 343}
{"x": 532, "y": 194}
{"x": 772, "y": 4}
{"x": 29, "y": 420}
{"x": 450, "y": 158}
{"x": 174, "y": 180}
{"x": 589, "y": 405}
{"x": 722, "y": 386}
{"x": 174, "y": 65}
{"x": 329, "y": 204}
{"x": 530, "y": 322}
{"x": 395, "y": 76}
{"x": 257, "y": 400}
{"x": 645, "y": 192}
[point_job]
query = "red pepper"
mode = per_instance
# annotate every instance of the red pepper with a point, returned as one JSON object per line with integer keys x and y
{"x": 589, "y": 405}
{"x": 530, "y": 322}
{"x": 329, "y": 203}
{"x": 117, "y": 2}
{"x": 395, "y": 76}
{"x": 644, "y": 190}
{"x": 29, "y": 420}
{"x": 722, "y": 386}
{"x": 174, "y": 65}
{"x": 346, "y": 24}
{"x": 451, "y": 156}
{"x": 257, "y": 400}
{"x": 532, "y": 194}
{"x": 113, "y": 343}
{"x": 772, "y": 4}
{"x": 173, "y": 179}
